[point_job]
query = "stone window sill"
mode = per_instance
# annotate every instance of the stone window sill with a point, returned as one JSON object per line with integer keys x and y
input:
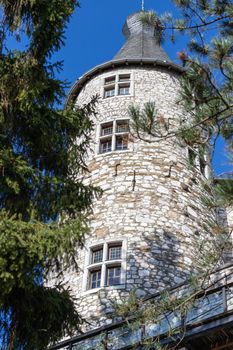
{"x": 110, "y": 97}
{"x": 113, "y": 152}
{"x": 96, "y": 290}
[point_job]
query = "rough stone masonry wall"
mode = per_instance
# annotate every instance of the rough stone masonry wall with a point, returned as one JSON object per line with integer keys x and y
{"x": 162, "y": 217}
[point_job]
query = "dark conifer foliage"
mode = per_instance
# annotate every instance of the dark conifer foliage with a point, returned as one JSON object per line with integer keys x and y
{"x": 39, "y": 163}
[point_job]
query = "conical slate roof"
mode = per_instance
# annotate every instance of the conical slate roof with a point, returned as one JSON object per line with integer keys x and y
{"x": 142, "y": 41}
{"x": 142, "y": 47}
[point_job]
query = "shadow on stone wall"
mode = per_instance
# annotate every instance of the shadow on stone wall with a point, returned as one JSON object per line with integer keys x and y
{"x": 158, "y": 261}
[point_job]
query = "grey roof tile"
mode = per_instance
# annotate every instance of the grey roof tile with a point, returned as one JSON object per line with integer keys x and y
{"x": 141, "y": 41}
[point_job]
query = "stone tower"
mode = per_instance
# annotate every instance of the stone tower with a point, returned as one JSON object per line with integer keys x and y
{"x": 143, "y": 226}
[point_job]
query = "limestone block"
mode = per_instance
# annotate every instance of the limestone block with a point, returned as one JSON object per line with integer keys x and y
{"x": 102, "y": 232}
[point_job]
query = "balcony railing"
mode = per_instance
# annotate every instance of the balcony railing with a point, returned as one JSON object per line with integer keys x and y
{"x": 212, "y": 309}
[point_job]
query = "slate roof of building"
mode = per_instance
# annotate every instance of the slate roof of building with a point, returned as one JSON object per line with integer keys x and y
{"x": 142, "y": 41}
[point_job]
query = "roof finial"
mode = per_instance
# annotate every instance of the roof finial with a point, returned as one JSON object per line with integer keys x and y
{"x": 143, "y": 5}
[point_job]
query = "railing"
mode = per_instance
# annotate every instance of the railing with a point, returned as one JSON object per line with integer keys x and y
{"x": 214, "y": 303}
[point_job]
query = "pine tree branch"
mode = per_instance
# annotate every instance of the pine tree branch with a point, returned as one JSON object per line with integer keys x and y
{"x": 221, "y": 67}
{"x": 200, "y": 25}
{"x": 211, "y": 82}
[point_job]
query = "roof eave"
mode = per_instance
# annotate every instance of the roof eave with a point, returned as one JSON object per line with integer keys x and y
{"x": 74, "y": 92}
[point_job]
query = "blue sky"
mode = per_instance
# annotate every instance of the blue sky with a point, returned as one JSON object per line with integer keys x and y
{"x": 94, "y": 35}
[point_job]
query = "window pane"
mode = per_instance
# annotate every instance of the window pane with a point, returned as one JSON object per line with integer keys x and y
{"x": 109, "y": 92}
{"x": 109, "y": 80}
{"x": 105, "y": 145}
{"x": 114, "y": 253}
{"x": 95, "y": 279}
{"x": 97, "y": 256}
{"x": 121, "y": 143}
{"x": 107, "y": 129}
{"x": 123, "y": 90}
{"x": 124, "y": 77}
{"x": 114, "y": 276}
{"x": 122, "y": 127}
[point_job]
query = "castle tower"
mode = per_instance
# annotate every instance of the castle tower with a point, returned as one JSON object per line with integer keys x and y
{"x": 144, "y": 224}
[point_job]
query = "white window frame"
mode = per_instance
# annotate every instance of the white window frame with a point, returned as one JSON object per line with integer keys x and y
{"x": 104, "y": 265}
{"x": 116, "y": 83}
{"x": 101, "y": 138}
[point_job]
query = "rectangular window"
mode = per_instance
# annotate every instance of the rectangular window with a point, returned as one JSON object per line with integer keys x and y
{"x": 110, "y": 265}
{"x": 114, "y": 136}
{"x": 121, "y": 143}
{"x": 97, "y": 256}
{"x": 114, "y": 253}
{"x": 117, "y": 85}
{"x": 95, "y": 279}
{"x": 113, "y": 276}
{"x": 106, "y": 145}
